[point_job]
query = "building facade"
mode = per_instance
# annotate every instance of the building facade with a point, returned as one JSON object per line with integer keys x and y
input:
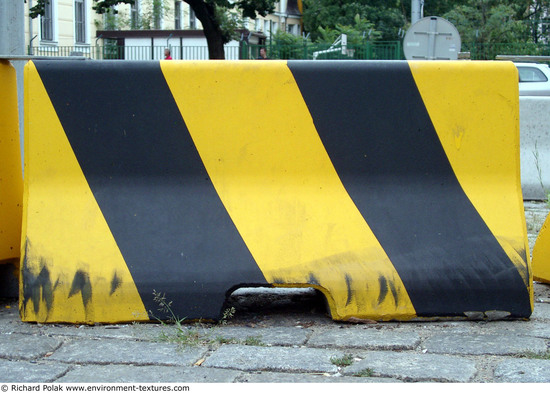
{"x": 71, "y": 26}
{"x": 65, "y": 23}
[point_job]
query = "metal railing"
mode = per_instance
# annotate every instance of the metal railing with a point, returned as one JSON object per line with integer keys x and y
{"x": 116, "y": 52}
{"x": 377, "y": 50}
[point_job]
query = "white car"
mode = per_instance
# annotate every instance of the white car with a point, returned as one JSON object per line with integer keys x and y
{"x": 534, "y": 79}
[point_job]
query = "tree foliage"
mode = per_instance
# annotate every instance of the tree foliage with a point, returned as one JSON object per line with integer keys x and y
{"x": 358, "y": 32}
{"x": 476, "y": 20}
{"x": 488, "y": 21}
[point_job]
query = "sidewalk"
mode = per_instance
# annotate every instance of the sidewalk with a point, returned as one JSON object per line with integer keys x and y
{"x": 284, "y": 336}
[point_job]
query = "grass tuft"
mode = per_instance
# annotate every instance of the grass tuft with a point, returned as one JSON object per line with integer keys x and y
{"x": 344, "y": 361}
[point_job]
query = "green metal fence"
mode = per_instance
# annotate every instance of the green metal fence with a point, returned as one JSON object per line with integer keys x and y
{"x": 489, "y": 51}
{"x": 378, "y": 50}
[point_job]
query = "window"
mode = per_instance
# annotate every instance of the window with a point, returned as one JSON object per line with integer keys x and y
{"x": 46, "y": 22}
{"x": 134, "y": 15}
{"x": 177, "y": 15}
{"x": 79, "y": 21}
{"x": 292, "y": 29}
{"x": 531, "y": 74}
{"x": 192, "y": 19}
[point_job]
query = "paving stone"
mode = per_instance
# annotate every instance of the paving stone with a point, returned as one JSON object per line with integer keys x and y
{"x": 106, "y": 351}
{"x": 10, "y": 321}
{"x": 144, "y": 331}
{"x": 271, "y": 377}
{"x": 282, "y": 336}
{"x": 531, "y": 328}
{"x": 130, "y": 373}
{"x": 523, "y": 370}
{"x": 251, "y": 358}
{"x": 367, "y": 338}
{"x": 414, "y": 367}
{"x": 541, "y": 311}
{"x": 25, "y": 371}
{"x": 484, "y": 344}
{"x": 23, "y": 346}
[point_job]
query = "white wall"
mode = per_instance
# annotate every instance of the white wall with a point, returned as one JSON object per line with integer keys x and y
{"x": 188, "y": 49}
{"x": 534, "y": 114}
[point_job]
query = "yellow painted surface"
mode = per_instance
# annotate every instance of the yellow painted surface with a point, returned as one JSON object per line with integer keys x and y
{"x": 11, "y": 176}
{"x": 64, "y": 231}
{"x": 276, "y": 180}
{"x": 541, "y": 254}
{"x": 474, "y": 107}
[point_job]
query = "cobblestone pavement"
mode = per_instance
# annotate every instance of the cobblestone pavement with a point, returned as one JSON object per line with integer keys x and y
{"x": 284, "y": 336}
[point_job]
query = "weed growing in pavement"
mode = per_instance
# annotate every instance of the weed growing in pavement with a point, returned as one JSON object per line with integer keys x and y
{"x": 253, "y": 341}
{"x": 533, "y": 355}
{"x": 366, "y": 373}
{"x": 228, "y": 313}
{"x": 197, "y": 333}
{"x": 165, "y": 307}
{"x": 344, "y": 361}
{"x": 225, "y": 340}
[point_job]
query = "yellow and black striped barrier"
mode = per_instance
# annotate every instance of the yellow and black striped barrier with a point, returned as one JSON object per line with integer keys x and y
{"x": 391, "y": 187}
{"x": 11, "y": 176}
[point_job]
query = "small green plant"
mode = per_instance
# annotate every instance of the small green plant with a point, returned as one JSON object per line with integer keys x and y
{"x": 193, "y": 335}
{"x": 253, "y": 341}
{"x": 225, "y": 340}
{"x": 183, "y": 335}
{"x": 533, "y": 355}
{"x": 227, "y": 315}
{"x": 344, "y": 361}
{"x": 166, "y": 308}
{"x": 366, "y": 373}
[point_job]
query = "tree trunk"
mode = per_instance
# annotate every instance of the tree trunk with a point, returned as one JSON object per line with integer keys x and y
{"x": 214, "y": 36}
{"x": 215, "y": 44}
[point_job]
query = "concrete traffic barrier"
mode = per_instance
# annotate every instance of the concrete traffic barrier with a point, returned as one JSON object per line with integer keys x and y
{"x": 535, "y": 147}
{"x": 11, "y": 177}
{"x": 541, "y": 254}
{"x": 391, "y": 187}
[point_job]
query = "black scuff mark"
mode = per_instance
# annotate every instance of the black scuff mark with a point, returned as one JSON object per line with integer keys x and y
{"x": 45, "y": 282}
{"x": 81, "y": 283}
{"x": 350, "y": 291}
{"x": 278, "y": 280}
{"x": 393, "y": 290}
{"x": 36, "y": 287}
{"x": 115, "y": 283}
{"x": 312, "y": 279}
{"x": 522, "y": 253}
{"x": 383, "y": 289}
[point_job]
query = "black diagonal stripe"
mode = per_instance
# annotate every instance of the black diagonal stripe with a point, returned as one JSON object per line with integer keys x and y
{"x": 375, "y": 127}
{"x": 149, "y": 181}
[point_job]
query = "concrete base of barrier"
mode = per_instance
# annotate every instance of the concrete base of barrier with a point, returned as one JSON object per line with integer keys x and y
{"x": 535, "y": 147}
